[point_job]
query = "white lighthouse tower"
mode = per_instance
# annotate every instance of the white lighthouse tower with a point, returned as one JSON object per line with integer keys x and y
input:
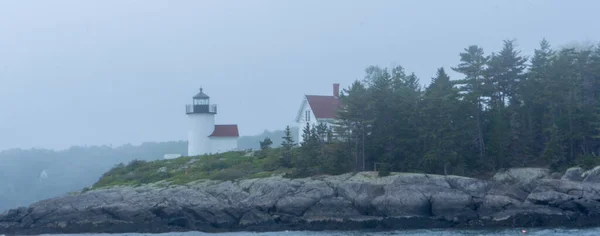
{"x": 201, "y": 116}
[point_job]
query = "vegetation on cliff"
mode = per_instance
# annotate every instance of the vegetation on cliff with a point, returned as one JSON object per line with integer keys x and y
{"x": 79, "y": 166}
{"x": 224, "y": 166}
{"x": 506, "y": 110}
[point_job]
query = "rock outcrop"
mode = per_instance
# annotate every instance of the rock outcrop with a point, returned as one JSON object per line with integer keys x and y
{"x": 573, "y": 174}
{"x": 517, "y": 197}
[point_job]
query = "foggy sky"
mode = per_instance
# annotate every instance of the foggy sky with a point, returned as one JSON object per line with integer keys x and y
{"x": 117, "y": 71}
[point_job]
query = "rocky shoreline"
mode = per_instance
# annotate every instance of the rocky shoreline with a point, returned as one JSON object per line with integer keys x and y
{"x": 526, "y": 197}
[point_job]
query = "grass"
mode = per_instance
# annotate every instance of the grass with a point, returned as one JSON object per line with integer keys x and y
{"x": 223, "y": 166}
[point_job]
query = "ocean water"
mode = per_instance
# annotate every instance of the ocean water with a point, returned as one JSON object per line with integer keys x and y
{"x": 509, "y": 232}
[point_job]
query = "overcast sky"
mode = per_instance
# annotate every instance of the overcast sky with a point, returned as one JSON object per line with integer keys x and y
{"x": 120, "y": 71}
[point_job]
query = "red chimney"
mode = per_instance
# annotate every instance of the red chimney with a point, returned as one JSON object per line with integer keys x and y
{"x": 336, "y": 90}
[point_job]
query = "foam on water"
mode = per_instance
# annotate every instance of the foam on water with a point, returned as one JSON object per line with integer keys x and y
{"x": 441, "y": 232}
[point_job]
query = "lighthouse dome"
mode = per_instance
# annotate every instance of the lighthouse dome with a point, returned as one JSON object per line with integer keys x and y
{"x": 201, "y": 95}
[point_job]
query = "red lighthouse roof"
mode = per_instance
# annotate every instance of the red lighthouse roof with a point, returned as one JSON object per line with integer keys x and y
{"x": 225, "y": 131}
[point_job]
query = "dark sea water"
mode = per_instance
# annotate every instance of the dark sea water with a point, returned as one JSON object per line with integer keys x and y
{"x": 537, "y": 232}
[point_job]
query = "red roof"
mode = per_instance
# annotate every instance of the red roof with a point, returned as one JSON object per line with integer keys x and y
{"x": 323, "y": 107}
{"x": 225, "y": 131}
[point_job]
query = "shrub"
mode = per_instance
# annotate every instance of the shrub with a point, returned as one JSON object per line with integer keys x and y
{"x": 384, "y": 170}
{"x": 215, "y": 165}
{"x": 588, "y": 161}
{"x": 269, "y": 163}
{"x": 223, "y": 166}
{"x": 262, "y": 174}
{"x": 229, "y": 174}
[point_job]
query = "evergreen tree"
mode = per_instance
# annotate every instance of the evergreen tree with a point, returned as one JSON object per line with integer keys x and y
{"x": 309, "y": 162}
{"x": 329, "y": 135}
{"x": 560, "y": 90}
{"x": 593, "y": 145}
{"x": 335, "y": 159}
{"x": 266, "y": 144}
{"x": 589, "y": 65}
{"x": 265, "y": 147}
{"x": 354, "y": 121}
{"x": 381, "y": 143}
{"x": 321, "y": 132}
{"x": 287, "y": 144}
{"x": 535, "y": 98}
{"x": 504, "y": 73}
{"x": 439, "y": 124}
{"x": 595, "y": 132}
{"x": 473, "y": 65}
{"x": 499, "y": 116}
{"x": 406, "y": 151}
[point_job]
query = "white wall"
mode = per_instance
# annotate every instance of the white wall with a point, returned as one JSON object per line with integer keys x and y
{"x": 223, "y": 144}
{"x": 199, "y": 128}
{"x": 301, "y": 123}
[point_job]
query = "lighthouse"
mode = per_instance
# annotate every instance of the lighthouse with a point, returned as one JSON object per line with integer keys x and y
{"x": 204, "y": 137}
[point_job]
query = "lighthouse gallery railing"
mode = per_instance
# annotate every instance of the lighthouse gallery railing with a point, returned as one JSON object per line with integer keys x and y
{"x": 190, "y": 109}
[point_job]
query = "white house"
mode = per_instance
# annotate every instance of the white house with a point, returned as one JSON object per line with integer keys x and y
{"x": 316, "y": 109}
{"x": 204, "y": 137}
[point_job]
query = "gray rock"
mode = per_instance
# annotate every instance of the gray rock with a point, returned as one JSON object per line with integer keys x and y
{"x": 452, "y": 204}
{"x": 573, "y": 174}
{"x": 336, "y": 207}
{"x": 255, "y": 217}
{"x": 515, "y": 192}
{"x": 496, "y": 203}
{"x": 550, "y": 197}
{"x": 592, "y": 175}
{"x": 404, "y": 200}
{"x": 556, "y": 175}
{"x": 515, "y": 197}
{"x": 524, "y": 178}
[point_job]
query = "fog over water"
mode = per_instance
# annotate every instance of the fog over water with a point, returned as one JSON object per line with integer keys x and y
{"x": 115, "y": 72}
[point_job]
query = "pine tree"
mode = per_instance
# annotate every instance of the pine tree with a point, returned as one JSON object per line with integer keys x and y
{"x": 354, "y": 121}
{"x": 287, "y": 144}
{"x": 439, "y": 128}
{"x": 498, "y": 116}
{"x": 384, "y": 130}
{"x": 406, "y": 152}
{"x": 535, "y": 98}
{"x": 568, "y": 80}
{"x": 473, "y": 65}
{"x": 309, "y": 161}
{"x": 558, "y": 95}
{"x": 504, "y": 73}
{"x": 306, "y": 134}
{"x": 593, "y": 146}
{"x": 595, "y": 136}
{"x": 266, "y": 144}
{"x": 303, "y": 161}
{"x": 321, "y": 132}
{"x": 330, "y": 136}
{"x": 586, "y": 134}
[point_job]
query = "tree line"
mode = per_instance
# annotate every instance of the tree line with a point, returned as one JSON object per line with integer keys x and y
{"x": 506, "y": 110}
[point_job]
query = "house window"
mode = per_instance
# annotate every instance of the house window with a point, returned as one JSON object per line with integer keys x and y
{"x": 307, "y": 116}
